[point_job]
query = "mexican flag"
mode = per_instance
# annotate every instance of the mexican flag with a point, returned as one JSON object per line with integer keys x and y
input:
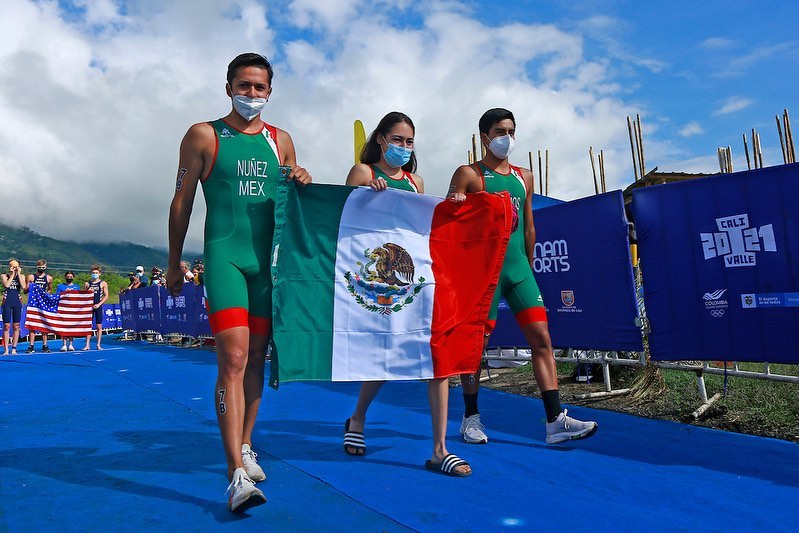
{"x": 387, "y": 285}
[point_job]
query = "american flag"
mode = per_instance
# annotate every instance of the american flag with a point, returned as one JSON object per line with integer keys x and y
{"x": 68, "y": 314}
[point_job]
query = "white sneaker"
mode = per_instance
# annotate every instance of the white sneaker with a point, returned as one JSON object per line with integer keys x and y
{"x": 472, "y": 430}
{"x": 243, "y": 493}
{"x": 568, "y": 428}
{"x": 248, "y": 456}
{"x": 71, "y": 348}
{"x": 64, "y": 348}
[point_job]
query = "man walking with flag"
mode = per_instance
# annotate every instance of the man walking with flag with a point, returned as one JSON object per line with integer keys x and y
{"x": 238, "y": 159}
{"x": 517, "y": 285}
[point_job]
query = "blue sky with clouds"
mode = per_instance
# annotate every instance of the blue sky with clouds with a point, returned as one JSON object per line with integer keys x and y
{"x": 96, "y": 95}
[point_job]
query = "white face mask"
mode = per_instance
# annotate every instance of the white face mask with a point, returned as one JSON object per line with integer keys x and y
{"x": 247, "y": 107}
{"x": 502, "y": 146}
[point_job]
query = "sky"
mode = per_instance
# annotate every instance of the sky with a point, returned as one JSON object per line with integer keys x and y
{"x": 95, "y": 96}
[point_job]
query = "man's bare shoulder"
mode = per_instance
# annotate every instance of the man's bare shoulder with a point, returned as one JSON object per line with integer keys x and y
{"x": 201, "y": 130}
{"x": 282, "y": 135}
{"x": 467, "y": 175}
{"x": 466, "y": 169}
{"x": 527, "y": 174}
{"x": 200, "y": 137}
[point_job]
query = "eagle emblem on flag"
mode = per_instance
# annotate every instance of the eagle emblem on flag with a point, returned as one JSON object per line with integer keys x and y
{"x": 385, "y": 283}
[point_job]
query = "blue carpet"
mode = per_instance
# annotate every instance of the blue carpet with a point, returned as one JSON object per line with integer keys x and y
{"x": 126, "y": 439}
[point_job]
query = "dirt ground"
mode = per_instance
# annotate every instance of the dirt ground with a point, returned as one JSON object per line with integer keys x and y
{"x": 662, "y": 406}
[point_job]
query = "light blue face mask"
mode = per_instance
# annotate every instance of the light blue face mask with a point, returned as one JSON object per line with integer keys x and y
{"x": 95, "y": 275}
{"x": 397, "y": 156}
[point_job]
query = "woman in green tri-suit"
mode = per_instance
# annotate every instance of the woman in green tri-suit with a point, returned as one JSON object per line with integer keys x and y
{"x": 388, "y": 161}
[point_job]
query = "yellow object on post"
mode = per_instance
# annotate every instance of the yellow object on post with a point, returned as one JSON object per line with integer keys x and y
{"x": 360, "y": 140}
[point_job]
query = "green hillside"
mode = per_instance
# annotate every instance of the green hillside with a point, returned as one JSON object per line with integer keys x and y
{"x": 28, "y": 246}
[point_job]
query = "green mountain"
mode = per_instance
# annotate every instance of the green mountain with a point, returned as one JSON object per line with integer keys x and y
{"x": 28, "y": 246}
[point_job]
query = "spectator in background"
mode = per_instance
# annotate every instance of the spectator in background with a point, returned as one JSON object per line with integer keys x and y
{"x": 45, "y": 281}
{"x": 100, "y": 290}
{"x": 142, "y": 278}
{"x": 68, "y": 285}
{"x": 199, "y": 270}
{"x": 13, "y": 283}
{"x": 134, "y": 283}
{"x": 156, "y": 276}
{"x": 188, "y": 275}
{"x": 195, "y": 270}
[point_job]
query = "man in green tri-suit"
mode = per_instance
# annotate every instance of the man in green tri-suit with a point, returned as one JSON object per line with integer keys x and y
{"x": 517, "y": 285}
{"x": 237, "y": 160}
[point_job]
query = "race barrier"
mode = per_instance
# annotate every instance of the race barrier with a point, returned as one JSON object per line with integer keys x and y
{"x": 720, "y": 259}
{"x": 153, "y": 309}
{"x": 583, "y": 267}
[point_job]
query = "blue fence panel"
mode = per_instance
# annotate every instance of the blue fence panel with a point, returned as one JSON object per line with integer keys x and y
{"x": 179, "y": 312}
{"x": 203, "y": 325}
{"x": 583, "y": 267}
{"x": 720, "y": 261}
{"x": 109, "y": 319}
{"x": 126, "y": 309}
{"x": 117, "y": 316}
{"x": 147, "y": 307}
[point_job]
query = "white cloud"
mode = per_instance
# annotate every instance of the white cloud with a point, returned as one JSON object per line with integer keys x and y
{"x": 717, "y": 43}
{"x": 94, "y": 109}
{"x": 692, "y": 128}
{"x": 733, "y": 104}
{"x": 607, "y": 29}
{"x": 323, "y": 13}
{"x": 760, "y": 54}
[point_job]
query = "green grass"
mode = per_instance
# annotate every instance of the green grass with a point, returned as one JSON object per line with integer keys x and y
{"x": 753, "y": 406}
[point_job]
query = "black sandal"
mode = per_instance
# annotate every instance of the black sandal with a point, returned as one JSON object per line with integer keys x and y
{"x": 448, "y": 466}
{"x": 353, "y": 439}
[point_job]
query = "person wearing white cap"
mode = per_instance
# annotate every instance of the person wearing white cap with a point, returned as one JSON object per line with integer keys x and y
{"x": 142, "y": 278}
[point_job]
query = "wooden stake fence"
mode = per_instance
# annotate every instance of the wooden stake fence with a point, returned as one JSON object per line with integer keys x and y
{"x": 593, "y": 168}
{"x": 632, "y": 148}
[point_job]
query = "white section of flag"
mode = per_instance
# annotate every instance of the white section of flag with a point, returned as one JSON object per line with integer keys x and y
{"x": 368, "y": 345}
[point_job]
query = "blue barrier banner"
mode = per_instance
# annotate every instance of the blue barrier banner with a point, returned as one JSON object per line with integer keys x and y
{"x": 147, "y": 307}
{"x": 127, "y": 315}
{"x": 541, "y": 201}
{"x": 178, "y": 312}
{"x": 720, "y": 261}
{"x": 584, "y": 270}
{"x": 118, "y": 316}
{"x": 109, "y": 320}
{"x": 203, "y": 325}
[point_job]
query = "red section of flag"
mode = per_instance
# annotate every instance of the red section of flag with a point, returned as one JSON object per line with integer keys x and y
{"x": 68, "y": 314}
{"x": 464, "y": 248}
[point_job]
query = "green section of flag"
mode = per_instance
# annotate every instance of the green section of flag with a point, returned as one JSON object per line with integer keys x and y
{"x": 303, "y": 275}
